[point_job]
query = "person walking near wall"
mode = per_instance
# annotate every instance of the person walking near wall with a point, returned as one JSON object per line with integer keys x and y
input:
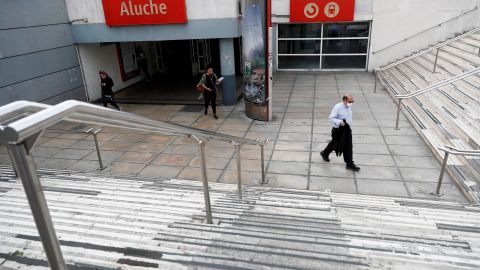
{"x": 341, "y": 143}
{"x": 107, "y": 93}
{"x": 209, "y": 82}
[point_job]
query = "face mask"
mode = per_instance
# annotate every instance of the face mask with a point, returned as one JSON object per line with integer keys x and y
{"x": 349, "y": 105}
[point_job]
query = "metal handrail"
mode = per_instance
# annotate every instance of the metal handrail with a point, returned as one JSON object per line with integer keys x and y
{"x": 423, "y": 31}
{"x": 77, "y": 111}
{"x": 453, "y": 151}
{"x": 26, "y": 122}
{"x": 428, "y": 50}
{"x": 432, "y": 87}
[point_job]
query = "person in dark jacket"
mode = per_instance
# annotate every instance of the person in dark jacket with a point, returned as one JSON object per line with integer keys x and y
{"x": 107, "y": 93}
{"x": 341, "y": 143}
{"x": 209, "y": 82}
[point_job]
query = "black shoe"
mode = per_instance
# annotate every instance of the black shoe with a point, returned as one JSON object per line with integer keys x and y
{"x": 205, "y": 112}
{"x": 215, "y": 116}
{"x": 352, "y": 167}
{"x": 325, "y": 158}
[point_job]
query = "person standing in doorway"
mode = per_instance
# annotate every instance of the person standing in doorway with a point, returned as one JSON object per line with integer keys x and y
{"x": 107, "y": 93}
{"x": 209, "y": 82}
{"x": 142, "y": 62}
{"x": 341, "y": 118}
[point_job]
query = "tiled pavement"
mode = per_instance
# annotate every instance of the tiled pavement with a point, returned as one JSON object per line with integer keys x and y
{"x": 393, "y": 162}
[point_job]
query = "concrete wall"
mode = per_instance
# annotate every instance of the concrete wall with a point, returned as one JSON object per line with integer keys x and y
{"x": 206, "y": 19}
{"x": 96, "y": 57}
{"x": 38, "y": 59}
{"x": 394, "y": 20}
{"x": 196, "y": 9}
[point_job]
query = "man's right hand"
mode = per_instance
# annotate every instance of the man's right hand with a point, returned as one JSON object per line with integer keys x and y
{"x": 342, "y": 123}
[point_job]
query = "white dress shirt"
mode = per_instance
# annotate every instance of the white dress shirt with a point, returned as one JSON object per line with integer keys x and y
{"x": 339, "y": 112}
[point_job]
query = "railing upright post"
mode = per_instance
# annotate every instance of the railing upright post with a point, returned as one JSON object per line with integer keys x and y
{"x": 442, "y": 172}
{"x": 398, "y": 113}
{"x": 262, "y": 163}
{"x": 375, "y": 75}
{"x": 26, "y": 169}
{"x": 206, "y": 191}
{"x": 239, "y": 172}
{"x": 94, "y": 134}
{"x": 436, "y": 60}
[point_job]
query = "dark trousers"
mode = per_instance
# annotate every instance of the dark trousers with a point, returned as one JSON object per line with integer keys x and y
{"x": 210, "y": 97}
{"x": 347, "y": 152}
{"x": 107, "y": 100}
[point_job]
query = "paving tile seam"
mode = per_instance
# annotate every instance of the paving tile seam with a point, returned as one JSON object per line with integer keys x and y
{"x": 384, "y": 139}
{"x": 311, "y": 134}
{"x": 224, "y": 170}
{"x": 267, "y": 167}
{"x": 354, "y": 173}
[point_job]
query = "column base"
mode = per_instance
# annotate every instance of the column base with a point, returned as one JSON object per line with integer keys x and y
{"x": 256, "y": 112}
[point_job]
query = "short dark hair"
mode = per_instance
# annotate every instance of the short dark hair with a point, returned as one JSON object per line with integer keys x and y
{"x": 209, "y": 66}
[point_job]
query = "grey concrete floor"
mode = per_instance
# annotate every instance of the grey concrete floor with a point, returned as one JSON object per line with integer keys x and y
{"x": 393, "y": 162}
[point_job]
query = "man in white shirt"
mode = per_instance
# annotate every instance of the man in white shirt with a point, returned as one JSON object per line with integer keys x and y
{"x": 341, "y": 116}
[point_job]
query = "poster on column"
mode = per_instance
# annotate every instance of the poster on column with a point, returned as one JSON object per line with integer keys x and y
{"x": 253, "y": 55}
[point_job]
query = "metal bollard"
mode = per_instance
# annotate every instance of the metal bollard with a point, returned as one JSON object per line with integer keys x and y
{"x": 25, "y": 166}
{"x": 239, "y": 172}
{"x": 440, "y": 178}
{"x": 436, "y": 60}
{"x": 206, "y": 191}
{"x": 398, "y": 113}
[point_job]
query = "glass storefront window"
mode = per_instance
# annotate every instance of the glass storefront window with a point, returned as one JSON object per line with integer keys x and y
{"x": 344, "y": 46}
{"x": 299, "y": 62}
{"x": 333, "y": 30}
{"x": 344, "y": 62}
{"x": 337, "y": 45}
{"x": 299, "y": 30}
{"x": 299, "y": 46}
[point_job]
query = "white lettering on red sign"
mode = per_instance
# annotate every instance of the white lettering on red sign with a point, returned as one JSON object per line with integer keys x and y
{"x": 142, "y": 9}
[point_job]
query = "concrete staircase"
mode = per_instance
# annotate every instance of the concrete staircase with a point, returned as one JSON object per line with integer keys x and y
{"x": 449, "y": 115}
{"x": 142, "y": 223}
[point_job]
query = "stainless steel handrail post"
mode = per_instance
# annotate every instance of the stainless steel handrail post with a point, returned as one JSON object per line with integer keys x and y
{"x": 262, "y": 161}
{"x": 375, "y": 75}
{"x": 25, "y": 166}
{"x": 442, "y": 172}
{"x": 206, "y": 191}
{"x": 239, "y": 171}
{"x": 436, "y": 60}
{"x": 94, "y": 134}
{"x": 398, "y": 112}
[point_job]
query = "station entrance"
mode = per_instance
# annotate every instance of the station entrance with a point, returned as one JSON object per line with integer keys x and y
{"x": 175, "y": 68}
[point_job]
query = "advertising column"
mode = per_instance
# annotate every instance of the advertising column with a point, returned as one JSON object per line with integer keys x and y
{"x": 255, "y": 81}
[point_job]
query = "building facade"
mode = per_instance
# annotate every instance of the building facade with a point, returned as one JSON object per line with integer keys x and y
{"x": 52, "y": 50}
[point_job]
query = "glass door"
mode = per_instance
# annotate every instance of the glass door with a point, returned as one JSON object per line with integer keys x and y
{"x": 161, "y": 66}
{"x": 323, "y": 46}
{"x": 200, "y": 55}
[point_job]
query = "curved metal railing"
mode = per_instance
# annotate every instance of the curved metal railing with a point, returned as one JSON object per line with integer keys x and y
{"x": 432, "y": 87}
{"x": 451, "y": 150}
{"x": 22, "y": 123}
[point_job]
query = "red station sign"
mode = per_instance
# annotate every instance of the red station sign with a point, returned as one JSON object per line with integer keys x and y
{"x": 321, "y": 10}
{"x": 131, "y": 12}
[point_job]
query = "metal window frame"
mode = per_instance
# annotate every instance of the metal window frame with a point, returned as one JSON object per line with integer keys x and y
{"x": 321, "y": 54}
